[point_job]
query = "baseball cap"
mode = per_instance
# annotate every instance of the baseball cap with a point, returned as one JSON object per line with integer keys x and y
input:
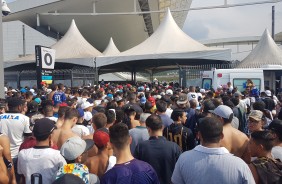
{"x": 118, "y": 99}
{"x": 256, "y": 115}
{"x": 101, "y": 138}
{"x": 43, "y": 127}
{"x": 110, "y": 96}
{"x": 143, "y": 100}
{"x": 23, "y": 90}
{"x": 152, "y": 100}
{"x": 15, "y": 101}
{"x": 276, "y": 126}
{"x": 86, "y": 104}
{"x": 75, "y": 146}
{"x": 88, "y": 116}
{"x": 182, "y": 99}
{"x": 202, "y": 90}
{"x": 32, "y": 106}
{"x": 68, "y": 179}
{"x": 169, "y": 92}
{"x": 268, "y": 93}
{"x": 222, "y": 111}
{"x": 81, "y": 112}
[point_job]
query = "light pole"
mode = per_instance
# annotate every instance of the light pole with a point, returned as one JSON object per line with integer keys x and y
{"x": 5, "y": 11}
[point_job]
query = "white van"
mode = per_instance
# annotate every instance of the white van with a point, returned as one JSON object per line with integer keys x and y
{"x": 237, "y": 77}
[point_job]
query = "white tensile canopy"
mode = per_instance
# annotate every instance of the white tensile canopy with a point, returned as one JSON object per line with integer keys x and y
{"x": 167, "y": 42}
{"x": 72, "y": 48}
{"x": 266, "y": 52}
{"x": 111, "y": 49}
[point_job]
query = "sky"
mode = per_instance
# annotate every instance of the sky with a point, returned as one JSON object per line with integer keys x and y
{"x": 231, "y": 22}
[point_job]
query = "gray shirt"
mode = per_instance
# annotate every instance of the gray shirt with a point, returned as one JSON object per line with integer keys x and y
{"x": 138, "y": 134}
{"x": 211, "y": 165}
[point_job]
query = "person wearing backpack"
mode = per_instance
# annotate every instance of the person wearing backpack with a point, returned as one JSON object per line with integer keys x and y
{"x": 265, "y": 169}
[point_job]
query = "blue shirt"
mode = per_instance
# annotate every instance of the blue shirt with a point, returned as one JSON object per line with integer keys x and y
{"x": 59, "y": 97}
{"x": 211, "y": 165}
{"x": 133, "y": 172}
{"x": 166, "y": 120}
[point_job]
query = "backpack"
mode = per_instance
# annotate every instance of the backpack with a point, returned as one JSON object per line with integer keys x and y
{"x": 269, "y": 170}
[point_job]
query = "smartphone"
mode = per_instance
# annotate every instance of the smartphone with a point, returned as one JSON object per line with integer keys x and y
{"x": 36, "y": 178}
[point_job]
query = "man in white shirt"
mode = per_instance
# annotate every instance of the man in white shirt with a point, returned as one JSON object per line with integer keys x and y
{"x": 41, "y": 159}
{"x": 210, "y": 163}
{"x": 15, "y": 125}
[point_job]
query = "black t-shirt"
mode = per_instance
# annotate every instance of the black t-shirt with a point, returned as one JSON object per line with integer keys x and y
{"x": 181, "y": 135}
{"x": 161, "y": 154}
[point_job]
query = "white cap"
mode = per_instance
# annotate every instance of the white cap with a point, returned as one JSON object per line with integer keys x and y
{"x": 32, "y": 90}
{"x": 222, "y": 111}
{"x": 5, "y": 89}
{"x": 169, "y": 92}
{"x": 87, "y": 116}
{"x": 86, "y": 104}
{"x": 202, "y": 90}
{"x": 268, "y": 93}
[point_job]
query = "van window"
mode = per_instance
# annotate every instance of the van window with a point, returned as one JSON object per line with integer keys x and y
{"x": 242, "y": 83}
{"x": 207, "y": 82}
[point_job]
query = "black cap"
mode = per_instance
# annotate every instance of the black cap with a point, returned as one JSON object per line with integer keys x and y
{"x": 69, "y": 179}
{"x": 43, "y": 127}
{"x": 33, "y": 106}
{"x": 15, "y": 101}
{"x": 276, "y": 126}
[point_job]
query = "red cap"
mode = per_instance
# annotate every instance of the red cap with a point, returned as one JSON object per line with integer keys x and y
{"x": 128, "y": 85}
{"x": 63, "y": 104}
{"x": 101, "y": 89}
{"x": 101, "y": 138}
{"x": 152, "y": 100}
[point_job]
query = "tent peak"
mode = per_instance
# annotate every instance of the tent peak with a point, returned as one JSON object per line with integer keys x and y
{"x": 111, "y": 49}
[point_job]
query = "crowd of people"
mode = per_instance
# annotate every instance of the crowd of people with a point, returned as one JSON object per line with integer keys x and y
{"x": 146, "y": 133}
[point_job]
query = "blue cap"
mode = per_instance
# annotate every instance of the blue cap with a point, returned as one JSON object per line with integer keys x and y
{"x": 110, "y": 96}
{"x": 81, "y": 112}
{"x": 23, "y": 90}
{"x": 37, "y": 100}
{"x": 143, "y": 100}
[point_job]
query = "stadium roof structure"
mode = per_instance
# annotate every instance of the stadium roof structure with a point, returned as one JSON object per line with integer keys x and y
{"x": 168, "y": 45}
{"x": 266, "y": 52}
{"x": 129, "y": 22}
{"x": 70, "y": 49}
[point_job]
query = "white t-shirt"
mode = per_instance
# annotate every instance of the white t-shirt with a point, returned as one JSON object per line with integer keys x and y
{"x": 80, "y": 130}
{"x": 112, "y": 162}
{"x": 45, "y": 161}
{"x": 14, "y": 125}
{"x": 277, "y": 152}
{"x": 192, "y": 95}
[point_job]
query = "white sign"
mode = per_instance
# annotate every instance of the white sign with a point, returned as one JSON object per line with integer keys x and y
{"x": 48, "y": 58}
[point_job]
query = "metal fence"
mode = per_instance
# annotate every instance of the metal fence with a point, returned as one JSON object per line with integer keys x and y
{"x": 195, "y": 72}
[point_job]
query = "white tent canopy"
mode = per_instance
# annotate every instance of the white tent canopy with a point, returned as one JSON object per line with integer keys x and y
{"x": 70, "y": 49}
{"x": 266, "y": 52}
{"x": 111, "y": 49}
{"x": 167, "y": 42}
